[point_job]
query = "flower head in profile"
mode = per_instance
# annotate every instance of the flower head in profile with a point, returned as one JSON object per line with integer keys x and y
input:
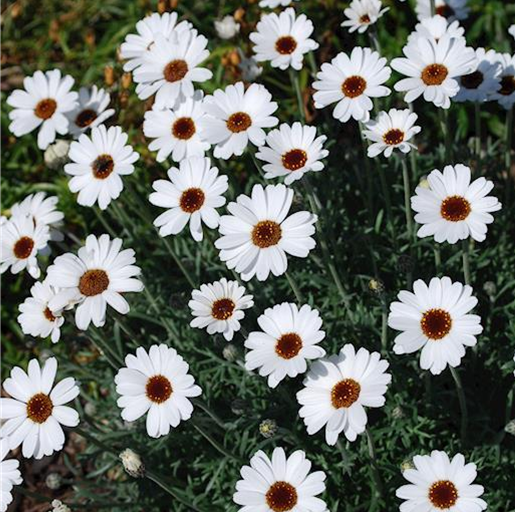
{"x": 227, "y": 27}
{"x": 9, "y": 476}
{"x": 362, "y": 13}
{"x": 505, "y": 95}
{"x": 451, "y": 10}
{"x": 435, "y": 28}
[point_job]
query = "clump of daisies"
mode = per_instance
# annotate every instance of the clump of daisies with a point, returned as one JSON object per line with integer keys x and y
{"x": 362, "y": 13}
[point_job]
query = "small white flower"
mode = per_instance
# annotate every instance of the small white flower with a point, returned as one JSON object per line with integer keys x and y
{"x": 227, "y": 27}
{"x": 337, "y": 390}
{"x": 177, "y": 131}
{"x": 437, "y": 483}
{"x": 289, "y": 337}
{"x": 283, "y": 39}
{"x": 157, "y": 384}
{"x": 236, "y": 116}
{"x": 59, "y": 506}
{"x": 169, "y": 69}
{"x": 9, "y": 476}
{"x": 436, "y": 319}
{"x": 219, "y": 307}
{"x": 272, "y": 4}
{"x": 44, "y": 103}
{"x": 453, "y": 208}
{"x": 391, "y": 130}
{"x": 280, "y": 484}
{"x": 191, "y": 194}
{"x": 36, "y": 411}
{"x": 449, "y": 9}
{"x": 258, "y": 234}
{"x": 505, "y": 95}
{"x": 20, "y": 242}
{"x": 351, "y": 82}
{"x": 97, "y": 163}
{"x": 432, "y": 68}
{"x": 56, "y": 155}
{"x": 36, "y": 318}
{"x": 362, "y": 14}
{"x": 436, "y": 27}
{"x": 292, "y": 151}
{"x": 90, "y": 111}
{"x": 248, "y": 67}
{"x": 98, "y": 276}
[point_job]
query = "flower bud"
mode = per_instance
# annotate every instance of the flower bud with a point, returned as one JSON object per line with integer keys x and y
{"x": 132, "y": 463}
{"x": 268, "y": 428}
{"x": 56, "y": 155}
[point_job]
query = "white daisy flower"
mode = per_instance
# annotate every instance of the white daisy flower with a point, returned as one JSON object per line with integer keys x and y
{"x": 449, "y": 9}
{"x": 438, "y": 483}
{"x": 9, "y": 476}
{"x": 511, "y": 31}
{"x": 177, "y": 131}
{"x": 97, "y": 163}
{"x": 227, "y": 27}
{"x": 436, "y": 27}
{"x": 157, "y": 384}
{"x": 292, "y": 151}
{"x": 258, "y": 234}
{"x": 272, "y": 4}
{"x": 280, "y": 484}
{"x": 505, "y": 96}
{"x": 191, "y": 194}
{"x": 436, "y": 319}
{"x": 362, "y": 14}
{"x": 36, "y": 411}
{"x": 219, "y": 307}
{"x": 90, "y": 111}
{"x": 350, "y": 82}
{"x": 98, "y": 276}
{"x": 44, "y": 103}
{"x": 283, "y": 39}
{"x": 289, "y": 337}
{"x": 337, "y": 390}
{"x": 248, "y": 67}
{"x": 36, "y": 318}
{"x": 137, "y": 45}
{"x": 20, "y": 242}
{"x": 236, "y": 115}
{"x": 479, "y": 85}
{"x": 453, "y": 208}
{"x": 169, "y": 69}
{"x": 391, "y": 130}
{"x": 432, "y": 68}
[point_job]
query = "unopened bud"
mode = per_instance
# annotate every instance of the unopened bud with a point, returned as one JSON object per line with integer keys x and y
{"x": 407, "y": 464}
{"x": 376, "y": 286}
{"x": 59, "y": 506}
{"x": 56, "y": 155}
{"x": 510, "y": 427}
{"x": 109, "y": 76}
{"x": 239, "y": 14}
{"x": 230, "y": 352}
{"x": 126, "y": 80}
{"x": 54, "y": 481}
{"x": 162, "y": 6}
{"x": 268, "y": 428}
{"x": 132, "y": 463}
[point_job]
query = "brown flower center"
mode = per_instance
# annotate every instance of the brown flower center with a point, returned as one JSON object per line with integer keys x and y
{"x": 472, "y": 80}
{"x": 49, "y": 315}
{"x": 393, "y": 137}
{"x": 158, "y": 389}
{"x": 288, "y": 345}
{"x": 444, "y": 10}
{"x": 23, "y": 247}
{"x": 45, "y": 108}
{"x": 443, "y": 494}
{"x": 345, "y": 393}
{"x": 354, "y": 86}
{"x": 183, "y": 128}
{"x": 507, "y": 85}
{"x": 175, "y": 70}
{"x": 294, "y": 159}
{"x": 85, "y": 118}
{"x": 455, "y": 208}
{"x": 281, "y": 497}
{"x": 266, "y": 233}
{"x": 102, "y": 166}
{"x": 39, "y": 408}
{"x": 192, "y": 200}
{"x": 436, "y": 323}
{"x": 239, "y": 122}
{"x": 365, "y": 18}
{"x": 93, "y": 282}
{"x": 285, "y": 45}
{"x": 434, "y": 74}
{"x": 222, "y": 309}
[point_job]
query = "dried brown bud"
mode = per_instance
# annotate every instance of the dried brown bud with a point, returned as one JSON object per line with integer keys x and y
{"x": 89, "y": 38}
{"x": 109, "y": 76}
{"x": 239, "y": 14}
{"x": 162, "y": 6}
{"x": 124, "y": 98}
{"x": 126, "y": 80}
{"x": 16, "y": 10}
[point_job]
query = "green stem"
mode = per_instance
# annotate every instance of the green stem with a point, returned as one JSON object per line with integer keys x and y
{"x": 369, "y": 192}
{"x": 463, "y": 403}
{"x": 444, "y": 124}
{"x": 438, "y": 258}
{"x": 384, "y": 326}
{"x": 509, "y": 144}
{"x": 374, "y": 467}
{"x": 112, "y": 357}
{"x": 477, "y": 119}
{"x": 465, "y": 252}
{"x": 214, "y": 443}
{"x": 295, "y": 288}
{"x": 294, "y": 77}
{"x": 387, "y": 200}
{"x": 409, "y": 217}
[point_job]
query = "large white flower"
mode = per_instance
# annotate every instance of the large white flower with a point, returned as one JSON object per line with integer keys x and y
{"x": 289, "y": 337}
{"x": 219, "y": 307}
{"x": 292, "y": 151}
{"x": 283, "y": 39}
{"x": 98, "y": 276}
{"x": 337, "y": 390}
{"x": 432, "y": 68}
{"x": 453, "y": 208}
{"x": 449, "y": 9}
{"x": 157, "y": 384}
{"x": 169, "y": 68}
{"x": 505, "y": 95}
{"x": 436, "y": 27}
{"x": 191, "y": 194}
{"x": 259, "y": 233}
{"x": 439, "y": 484}
{"x": 44, "y": 103}
{"x": 236, "y": 116}
{"x": 280, "y": 484}
{"x": 9, "y": 476}
{"x": 350, "y": 82}
{"x": 36, "y": 411}
{"x": 97, "y": 164}
{"x": 177, "y": 131}
{"x": 362, "y": 13}
{"x": 436, "y": 319}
